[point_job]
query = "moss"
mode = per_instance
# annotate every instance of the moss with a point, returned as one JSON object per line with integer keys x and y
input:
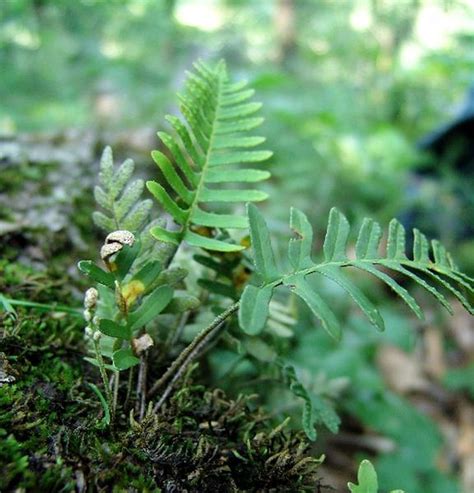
{"x": 204, "y": 441}
{"x": 53, "y": 440}
{"x": 201, "y": 441}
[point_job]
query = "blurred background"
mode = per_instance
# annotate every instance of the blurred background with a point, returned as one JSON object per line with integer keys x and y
{"x": 368, "y": 105}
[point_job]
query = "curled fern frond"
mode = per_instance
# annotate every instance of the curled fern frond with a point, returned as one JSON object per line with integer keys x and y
{"x": 431, "y": 267}
{"x": 119, "y": 197}
{"x": 203, "y": 154}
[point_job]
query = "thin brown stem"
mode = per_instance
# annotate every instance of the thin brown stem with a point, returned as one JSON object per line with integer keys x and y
{"x": 176, "y": 369}
{"x": 210, "y": 336}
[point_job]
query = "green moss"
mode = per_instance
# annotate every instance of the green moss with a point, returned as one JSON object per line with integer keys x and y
{"x": 200, "y": 441}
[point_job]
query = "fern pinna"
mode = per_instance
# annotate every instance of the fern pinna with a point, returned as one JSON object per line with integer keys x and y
{"x": 119, "y": 197}
{"x": 202, "y": 156}
{"x": 428, "y": 273}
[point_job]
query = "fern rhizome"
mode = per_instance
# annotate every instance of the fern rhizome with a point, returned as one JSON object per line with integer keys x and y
{"x": 209, "y": 163}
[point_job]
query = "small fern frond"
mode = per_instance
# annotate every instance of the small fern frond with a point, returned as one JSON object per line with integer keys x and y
{"x": 316, "y": 408}
{"x": 431, "y": 267}
{"x": 202, "y": 155}
{"x": 119, "y": 197}
{"x": 367, "y": 479}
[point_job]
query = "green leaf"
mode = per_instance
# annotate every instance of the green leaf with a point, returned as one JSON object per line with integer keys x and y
{"x": 7, "y": 306}
{"x": 113, "y": 329}
{"x": 125, "y": 359}
{"x": 95, "y": 273}
{"x": 299, "y": 248}
{"x": 172, "y": 177}
{"x": 421, "y": 247}
{"x": 236, "y": 175}
{"x": 396, "y": 241}
{"x": 317, "y": 305}
{"x": 259, "y": 349}
{"x": 171, "y": 276}
{"x": 402, "y": 292}
{"x": 94, "y": 362}
{"x": 325, "y": 414}
{"x": 200, "y": 241}
{"x": 170, "y": 206}
{"x": 335, "y": 274}
{"x": 367, "y": 478}
{"x": 261, "y": 244}
{"x": 151, "y": 306}
{"x": 430, "y": 288}
{"x": 368, "y": 241}
{"x": 126, "y": 257}
{"x": 253, "y": 311}
{"x": 337, "y": 233}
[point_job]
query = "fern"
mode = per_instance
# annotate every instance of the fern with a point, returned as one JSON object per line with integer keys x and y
{"x": 367, "y": 479}
{"x": 316, "y": 409}
{"x": 426, "y": 272}
{"x": 203, "y": 152}
{"x": 120, "y": 197}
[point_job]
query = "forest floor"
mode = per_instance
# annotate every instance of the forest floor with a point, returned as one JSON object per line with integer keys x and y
{"x": 52, "y": 434}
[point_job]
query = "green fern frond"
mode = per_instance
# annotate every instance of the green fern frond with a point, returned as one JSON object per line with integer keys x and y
{"x": 202, "y": 158}
{"x": 428, "y": 272}
{"x": 119, "y": 197}
{"x": 316, "y": 409}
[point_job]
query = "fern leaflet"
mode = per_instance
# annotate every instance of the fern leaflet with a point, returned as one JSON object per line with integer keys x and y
{"x": 426, "y": 272}
{"x": 119, "y": 197}
{"x": 203, "y": 153}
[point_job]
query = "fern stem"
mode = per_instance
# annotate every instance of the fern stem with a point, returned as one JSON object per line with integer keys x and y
{"x": 116, "y": 390}
{"x": 105, "y": 380}
{"x": 190, "y": 352}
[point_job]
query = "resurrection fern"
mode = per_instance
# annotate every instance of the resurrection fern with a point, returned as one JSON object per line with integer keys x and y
{"x": 426, "y": 272}
{"x": 120, "y": 197}
{"x": 203, "y": 155}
